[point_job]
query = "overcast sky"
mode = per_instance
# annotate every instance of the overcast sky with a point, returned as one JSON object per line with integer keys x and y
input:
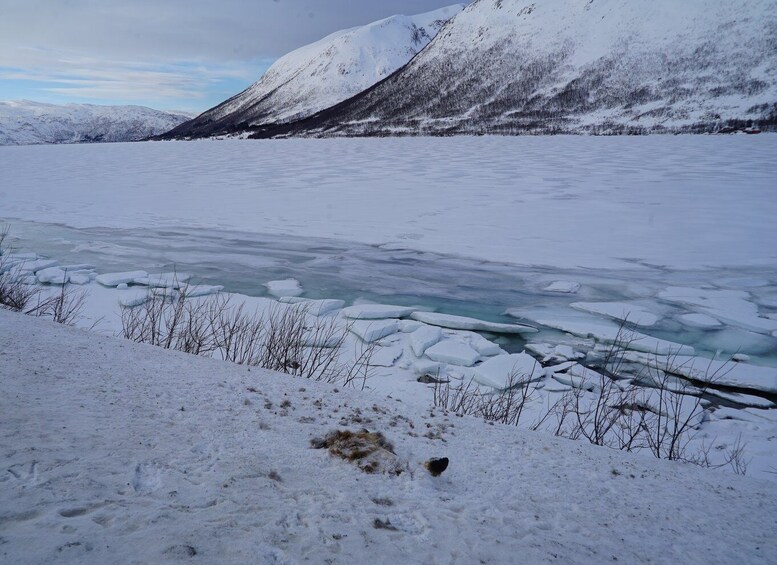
{"x": 168, "y": 54}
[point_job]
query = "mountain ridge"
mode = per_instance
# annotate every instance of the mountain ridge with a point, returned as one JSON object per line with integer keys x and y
{"x": 515, "y": 66}
{"x": 322, "y": 74}
{"x": 24, "y": 122}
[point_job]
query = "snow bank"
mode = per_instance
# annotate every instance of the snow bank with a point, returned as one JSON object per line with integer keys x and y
{"x": 114, "y": 448}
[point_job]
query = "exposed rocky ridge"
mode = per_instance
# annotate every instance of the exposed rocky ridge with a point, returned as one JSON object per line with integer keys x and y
{"x": 579, "y": 66}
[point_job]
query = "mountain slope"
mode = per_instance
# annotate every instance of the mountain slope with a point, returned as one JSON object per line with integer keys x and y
{"x": 517, "y": 66}
{"x": 324, "y": 73}
{"x": 27, "y": 123}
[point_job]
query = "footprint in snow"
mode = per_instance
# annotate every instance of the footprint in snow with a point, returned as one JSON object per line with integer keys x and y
{"x": 25, "y": 472}
{"x": 146, "y": 478}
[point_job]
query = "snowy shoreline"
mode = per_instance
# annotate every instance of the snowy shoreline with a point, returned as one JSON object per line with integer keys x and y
{"x": 120, "y": 449}
{"x": 413, "y": 343}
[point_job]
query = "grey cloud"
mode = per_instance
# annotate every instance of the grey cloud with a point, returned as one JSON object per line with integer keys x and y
{"x": 166, "y": 52}
{"x": 159, "y": 31}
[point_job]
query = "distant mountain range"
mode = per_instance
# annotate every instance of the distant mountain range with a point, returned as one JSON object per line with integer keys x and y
{"x": 521, "y": 66}
{"x": 25, "y": 123}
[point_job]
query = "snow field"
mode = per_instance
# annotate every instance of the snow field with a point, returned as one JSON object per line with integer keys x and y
{"x": 564, "y": 204}
{"x": 119, "y": 451}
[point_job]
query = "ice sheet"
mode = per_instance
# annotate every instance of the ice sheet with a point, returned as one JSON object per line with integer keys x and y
{"x": 465, "y": 323}
{"x": 644, "y": 192}
{"x": 633, "y": 313}
{"x": 376, "y": 311}
{"x": 115, "y": 279}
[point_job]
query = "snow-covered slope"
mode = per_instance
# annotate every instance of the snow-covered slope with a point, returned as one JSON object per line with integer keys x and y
{"x": 115, "y": 452}
{"x": 324, "y": 73}
{"x": 26, "y": 123}
{"x": 521, "y": 66}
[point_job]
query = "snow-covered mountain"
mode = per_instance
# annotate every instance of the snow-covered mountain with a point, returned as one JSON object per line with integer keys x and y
{"x": 523, "y": 66}
{"x": 323, "y": 73}
{"x": 26, "y": 123}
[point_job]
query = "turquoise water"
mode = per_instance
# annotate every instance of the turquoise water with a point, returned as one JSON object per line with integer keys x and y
{"x": 243, "y": 262}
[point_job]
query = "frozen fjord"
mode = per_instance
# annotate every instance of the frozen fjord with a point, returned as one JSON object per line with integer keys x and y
{"x": 593, "y": 202}
{"x": 665, "y": 213}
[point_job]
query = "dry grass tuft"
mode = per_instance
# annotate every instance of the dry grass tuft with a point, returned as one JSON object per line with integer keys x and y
{"x": 370, "y": 451}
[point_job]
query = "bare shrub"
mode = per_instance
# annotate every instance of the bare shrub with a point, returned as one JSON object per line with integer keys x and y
{"x": 17, "y": 294}
{"x": 663, "y": 416}
{"x": 606, "y": 411}
{"x": 283, "y": 339}
{"x": 65, "y": 306}
{"x": 505, "y": 406}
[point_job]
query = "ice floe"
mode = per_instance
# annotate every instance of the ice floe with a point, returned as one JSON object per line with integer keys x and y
{"x": 80, "y": 278}
{"x": 314, "y": 307}
{"x": 700, "y": 321}
{"x": 409, "y": 326}
{"x": 432, "y": 368}
{"x": 464, "y": 323}
{"x": 386, "y": 356}
{"x": 731, "y": 340}
{"x": 731, "y": 306}
{"x": 609, "y": 332}
{"x": 453, "y": 352}
{"x": 115, "y": 279}
{"x": 171, "y": 280}
{"x": 549, "y": 352}
{"x": 503, "y": 371}
{"x": 373, "y": 330}
{"x": 34, "y": 266}
{"x": 625, "y": 311}
{"x": 286, "y": 287}
{"x": 52, "y": 275}
{"x": 195, "y": 291}
{"x": 563, "y": 287}
{"x": 744, "y": 399}
{"x": 376, "y": 311}
{"x": 133, "y": 298}
{"x": 712, "y": 371}
{"x": 77, "y": 267}
{"x": 423, "y": 338}
{"x": 483, "y": 346}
